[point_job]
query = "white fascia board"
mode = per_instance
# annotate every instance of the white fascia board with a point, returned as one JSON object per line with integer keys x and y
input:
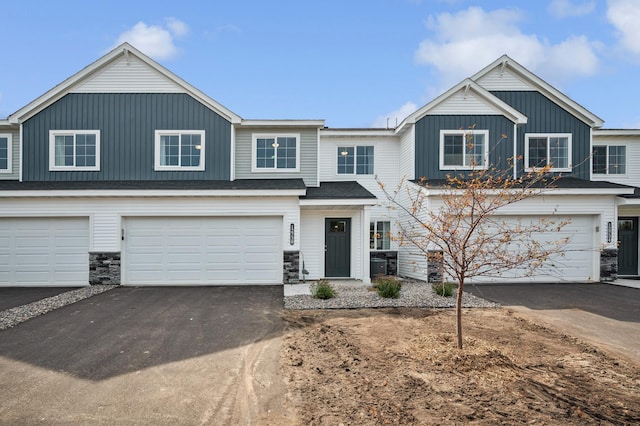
{"x": 548, "y": 90}
{"x": 92, "y": 193}
{"x": 281, "y": 123}
{"x": 342, "y": 202}
{"x": 508, "y": 111}
{"x": 616, "y": 132}
{"x": 369, "y": 133}
{"x": 628, "y": 201}
{"x": 124, "y": 49}
{"x": 548, "y": 191}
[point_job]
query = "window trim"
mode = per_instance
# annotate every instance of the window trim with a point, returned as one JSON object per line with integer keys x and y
{"x": 157, "y": 163}
{"x": 569, "y": 137}
{"x": 274, "y": 169}
{"x": 74, "y": 133}
{"x": 9, "y": 168}
{"x": 355, "y": 159}
{"x": 463, "y": 133}
{"x": 607, "y": 146}
{"x": 375, "y": 228}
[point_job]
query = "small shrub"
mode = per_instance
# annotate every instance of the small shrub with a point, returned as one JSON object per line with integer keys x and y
{"x": 444, "y": 289}
{"x": 323, "y": 290}
{"x": 388, "y": 287}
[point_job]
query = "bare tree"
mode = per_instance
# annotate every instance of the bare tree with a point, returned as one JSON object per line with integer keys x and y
{"x": 459, "y": 221}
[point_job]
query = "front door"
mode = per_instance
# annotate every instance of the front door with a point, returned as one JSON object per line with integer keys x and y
{"x": 337, "y": 249}
{"x": 628, "y": 246}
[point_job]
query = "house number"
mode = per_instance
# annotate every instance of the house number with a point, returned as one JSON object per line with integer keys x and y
{"x": 292, "y": 234}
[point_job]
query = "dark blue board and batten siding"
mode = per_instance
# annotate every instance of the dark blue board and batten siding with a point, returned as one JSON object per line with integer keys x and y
{"x": 545, "y": 116}
{"x": 427, "y": 144}
{"x": 127, "y": 124}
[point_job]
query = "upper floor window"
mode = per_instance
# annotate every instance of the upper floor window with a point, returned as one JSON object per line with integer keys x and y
{"x": 5, "y": 153}
{"x": 179, "y": 149}
{"x": 275, "y": 153}
{"x": 460, "y": 149}
{"x": 74, "y": 150}
{"x": 358, "y": 160}
{"x": 548, "y": 150}
{"x": 380, "y": 235}
{"x": 609, "y": 160}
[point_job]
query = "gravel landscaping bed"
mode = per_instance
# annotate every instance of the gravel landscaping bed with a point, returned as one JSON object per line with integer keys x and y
{"x": 352, "y": 295}
{"x": 14, "y": 316}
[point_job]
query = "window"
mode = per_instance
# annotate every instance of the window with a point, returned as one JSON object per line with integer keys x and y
{"x": 461, "y": 149}
{"x": 380, "y": 235}
{"x": 609, "y": 160}
{"x": 278, "y": 153}
{"x": 5, "y": 153}
{"x": 553, "y": 150}
{"x": 358, "y": 160}
{"x": 74, "y": 150}
{"x": 179, "y": 150}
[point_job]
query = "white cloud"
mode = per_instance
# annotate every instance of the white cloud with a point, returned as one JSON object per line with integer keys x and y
{"x": 465, "y": 41}
{"x": 154, "y": 40}
{"x": 625, "y": 17}
{"x": 395, "y": 117}
{"x": 566, "y": 8}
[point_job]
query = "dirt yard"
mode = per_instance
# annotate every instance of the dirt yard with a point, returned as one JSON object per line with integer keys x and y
{"x": 400, "y": 366}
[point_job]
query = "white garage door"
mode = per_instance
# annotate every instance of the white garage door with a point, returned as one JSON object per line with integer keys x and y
{"x": 580, "y": 259}
{"x": 44, "y": 252}
{"x": 203, "y": 250}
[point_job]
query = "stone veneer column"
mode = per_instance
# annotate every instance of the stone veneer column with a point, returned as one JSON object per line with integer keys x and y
{"x": 434, "y": 267}
{"x": 104, "y": 268}
{"x": 609, "y": 264}
{"x": 291, "y": 267}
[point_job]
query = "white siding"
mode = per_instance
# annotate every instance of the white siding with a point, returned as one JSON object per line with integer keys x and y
{"x": 407, "y": 152}
{"x": 312, "y": 244}
{"x": 505, "y": 79}
{"x": 106, "y": 213}
{"x": 632, "y": 177}
{"x": 459, "y": 103}
{"x": 127, "y": 76}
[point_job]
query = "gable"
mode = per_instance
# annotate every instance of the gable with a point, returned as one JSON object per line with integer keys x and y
{"x": 465, "y": 102}
{"x": 503, "y": 79}
{"x": 127, "y": 74}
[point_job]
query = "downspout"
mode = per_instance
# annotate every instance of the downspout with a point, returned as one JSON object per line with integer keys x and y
{"x": 232, "y": 156}
{"x": 515, "y": 150}
{"x": 20, "y": 154}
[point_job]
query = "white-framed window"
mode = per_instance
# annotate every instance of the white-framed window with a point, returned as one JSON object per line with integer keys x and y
{"x": 380, "y": 235}
{"x": 355, "y": 160}
{"x": 74, "y": 150}
{"x": 275, "y": 152}
{"x": 5, "y": 152}
{"x": 464, "y": 149}
{"x": 609, "y": 160}
{"x": 552, "y": 149}
{"x": 179, "y": 149}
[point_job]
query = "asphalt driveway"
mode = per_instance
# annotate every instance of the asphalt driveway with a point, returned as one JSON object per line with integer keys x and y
{"x": 604, "y": 314}
{"x": 11, "y": 297}
{"x": 146, "y": 356}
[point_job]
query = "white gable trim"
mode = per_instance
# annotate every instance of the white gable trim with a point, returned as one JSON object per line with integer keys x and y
{"x": 512, "y": 69}
{"x": 480, "y": 101}
{"x": 124, "y": 50}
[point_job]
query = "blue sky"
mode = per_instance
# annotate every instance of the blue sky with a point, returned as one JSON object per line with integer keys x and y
{"x": 353, "y": 63}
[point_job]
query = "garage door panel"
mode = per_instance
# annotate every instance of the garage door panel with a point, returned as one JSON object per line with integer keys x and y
{"x": 44, "y": 251}
{"x": 575, "y": 263}
{"x": 203, "y": 250}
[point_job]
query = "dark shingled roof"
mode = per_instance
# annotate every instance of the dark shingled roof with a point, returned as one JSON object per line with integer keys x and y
{"x": 561, "y": 183}
{"x": 240, "y": 184}
{"x": 337, "y": 191}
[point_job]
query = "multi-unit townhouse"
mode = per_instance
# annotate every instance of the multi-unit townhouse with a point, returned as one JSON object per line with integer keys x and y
{"x": 124, "y": 173}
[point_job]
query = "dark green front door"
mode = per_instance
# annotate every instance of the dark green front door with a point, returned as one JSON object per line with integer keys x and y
{"x": 337, "y": 249}
{"x": 628, "y": 246}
